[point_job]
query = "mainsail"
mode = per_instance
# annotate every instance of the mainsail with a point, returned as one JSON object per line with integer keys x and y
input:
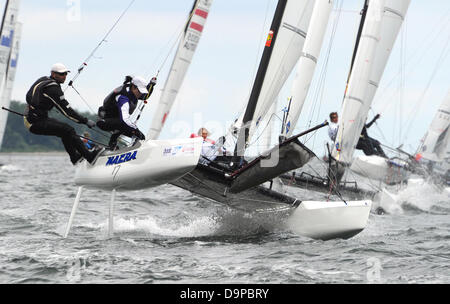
{"x": 307, "y": 63}
{"x": 182, "y": 60}
{"x": 381, "y": 27}
{"x": 436, "y": 140}
{"x": 282, "y": 50}
{"x": 9, "y": 50}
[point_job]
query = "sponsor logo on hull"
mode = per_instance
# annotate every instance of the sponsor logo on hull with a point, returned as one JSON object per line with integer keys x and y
{"x": 122, "y": 158}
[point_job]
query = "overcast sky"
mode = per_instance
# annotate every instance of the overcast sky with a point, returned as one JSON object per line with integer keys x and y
{"x": 221, "y": 74}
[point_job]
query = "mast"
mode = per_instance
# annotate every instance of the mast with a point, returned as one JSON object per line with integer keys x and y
{"x": 181, "y": 62}
{"x": 259, "y": 79}
{"x": 4, "y": 15}
{"x": 358, "y": 36}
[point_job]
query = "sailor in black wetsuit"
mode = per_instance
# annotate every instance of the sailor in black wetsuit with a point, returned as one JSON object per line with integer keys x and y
{"x": 119, "y": 105}
{"x": 369, "y": 145}
{"x": 45, "y": 94}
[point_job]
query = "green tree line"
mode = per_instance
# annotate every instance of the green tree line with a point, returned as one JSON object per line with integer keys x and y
{"x": 17, "y": 138}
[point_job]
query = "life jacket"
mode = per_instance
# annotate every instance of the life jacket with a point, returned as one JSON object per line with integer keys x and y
{"x": 36, "y": 99}
{"x": 109, "y": 108}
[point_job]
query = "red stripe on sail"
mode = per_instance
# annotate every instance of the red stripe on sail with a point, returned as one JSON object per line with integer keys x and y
{"x": 164, "y": 118}
{"x": 201, "y": 13}
{"x": 196, "y": 26}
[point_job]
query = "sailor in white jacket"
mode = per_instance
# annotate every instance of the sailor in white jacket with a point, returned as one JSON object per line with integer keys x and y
{"x": 333, "y": 126}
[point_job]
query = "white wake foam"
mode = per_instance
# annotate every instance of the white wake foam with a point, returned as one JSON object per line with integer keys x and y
{"x": 9, "y": 168}
{"x": 418, "y": 195}
{"x": 201, "y": 226}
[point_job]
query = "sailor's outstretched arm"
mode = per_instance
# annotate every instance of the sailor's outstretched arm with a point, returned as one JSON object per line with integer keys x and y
{"x": 56, "y": 95}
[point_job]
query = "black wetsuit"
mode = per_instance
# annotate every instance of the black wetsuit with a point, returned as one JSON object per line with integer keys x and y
{"x": 43, "y": 95}
{"x": 369, "y": 145}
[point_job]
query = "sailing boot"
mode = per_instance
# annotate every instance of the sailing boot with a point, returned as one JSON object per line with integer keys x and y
{"x": 94, "y": 155}
{"x": 113, "y": 140}
{"x": 76, "y": 158}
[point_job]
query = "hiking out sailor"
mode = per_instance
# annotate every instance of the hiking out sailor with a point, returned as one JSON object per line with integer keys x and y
{"x": 46, "y": 94}
{"x": 119, "y": 105}
{"x": 369, "y": 145}
{"x": 333, "y": 126}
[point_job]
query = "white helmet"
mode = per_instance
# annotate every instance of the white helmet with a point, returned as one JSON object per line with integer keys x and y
{"x": 59, "y": 68}
{"x": 140, "y": 83}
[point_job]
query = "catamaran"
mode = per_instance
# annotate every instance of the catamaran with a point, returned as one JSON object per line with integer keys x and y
{"x": 153, "y": 162}
{"x": 379, "y": 27}
{"x": 236, "y": 182}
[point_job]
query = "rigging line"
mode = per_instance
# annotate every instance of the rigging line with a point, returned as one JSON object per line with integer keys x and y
{"x": 369, "y": 183}
{"x": 322, "y": 77}
{"x": 336, "y": 191}
{"x": 416, "y": 108}
{"x": 321, "y": 163}
{"x": 87, "y": 104}
{"x": 177, "y": 33}
{"x": 169, "y": 52}
{"x": 84, "y": 64}
{"x": 425, "y": 46}
{"x": 265, "y": 127}
{"x": 84, "y": 100}
{"x": 185, "y": 25}
{"x": 379, "y": 129}
{"x": 260, "y": 44}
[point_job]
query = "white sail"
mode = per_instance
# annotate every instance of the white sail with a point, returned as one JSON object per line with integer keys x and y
{"x": 9, "y": 38}
{"x": 307, "y": 63}
{"x": 435, "y": 143}
{"x": 186, "y": 49}
{"x": 285, "y": 54}
{"x": 268, "y": 124}
{"x": 393, "y": 15}
{"x": 356, "y": 103}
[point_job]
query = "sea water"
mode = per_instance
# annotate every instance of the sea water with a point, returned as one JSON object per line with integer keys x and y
{"x": 167, "y": 235}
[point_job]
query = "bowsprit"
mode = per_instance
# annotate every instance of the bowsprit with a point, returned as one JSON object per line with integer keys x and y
{"x": 122, "y": 158}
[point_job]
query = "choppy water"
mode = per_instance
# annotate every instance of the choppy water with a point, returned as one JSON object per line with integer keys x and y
{"x": 166, "y": 235}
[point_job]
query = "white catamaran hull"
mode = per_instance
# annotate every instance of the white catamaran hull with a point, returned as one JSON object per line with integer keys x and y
{"x": 152, "y": 163}
{"x": 379, "y": 168}
{"x": 328, "y": 220}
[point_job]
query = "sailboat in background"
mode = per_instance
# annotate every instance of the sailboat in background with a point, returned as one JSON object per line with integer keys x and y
{"x": 390, "y": 171}
{"x": 432, "y": 159}
{"x": 233, "y": 181}
{"x": 10, "y": 35}
{"x": 380, "y": 29}
{"x": 181, "y": 62}
{"x": 431, "y": 162}
{"x": 435, "y": 145}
